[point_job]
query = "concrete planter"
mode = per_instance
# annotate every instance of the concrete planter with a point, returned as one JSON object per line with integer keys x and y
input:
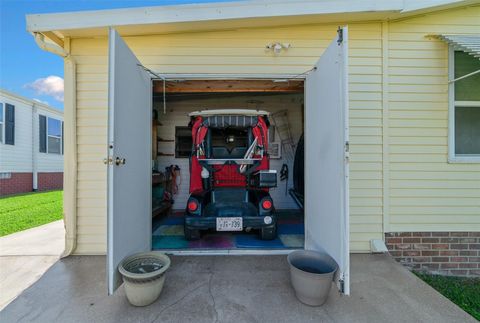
{"x": 144, "y": 275}
{"x": 311, "y": 274}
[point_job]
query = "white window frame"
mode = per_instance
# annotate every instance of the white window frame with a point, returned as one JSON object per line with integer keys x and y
{"x": 2, "y": 139}
{"x": 452, "y": 157}
{"x": 47, "y": 135}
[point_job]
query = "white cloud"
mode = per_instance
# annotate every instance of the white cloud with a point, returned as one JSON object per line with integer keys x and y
{"x": 40, "y": 101}
{"x": 51, "y": 85}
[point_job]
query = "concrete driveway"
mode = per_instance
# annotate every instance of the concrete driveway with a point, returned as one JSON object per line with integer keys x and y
{"x": 25, "y": 256}
{"x": 232, "y": 289}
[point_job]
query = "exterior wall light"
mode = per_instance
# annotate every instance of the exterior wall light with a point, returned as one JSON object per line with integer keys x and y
{"x": 277, "y": 47}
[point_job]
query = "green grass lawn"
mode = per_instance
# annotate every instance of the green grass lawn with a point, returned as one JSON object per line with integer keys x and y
{"x": 465, "y": 292}
{"x": 20, "y": 212}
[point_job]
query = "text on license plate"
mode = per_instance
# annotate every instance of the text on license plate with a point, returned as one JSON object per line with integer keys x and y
{"x": 230, "y": 224}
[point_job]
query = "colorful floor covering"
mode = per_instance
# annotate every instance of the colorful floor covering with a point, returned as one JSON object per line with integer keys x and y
{"x": 168, "y": 234}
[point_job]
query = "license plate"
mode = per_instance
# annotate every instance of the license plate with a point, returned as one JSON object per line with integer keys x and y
{"x": 230, "y": 224}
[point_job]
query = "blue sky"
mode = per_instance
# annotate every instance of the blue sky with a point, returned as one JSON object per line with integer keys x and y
{"x": 24, "y": 68}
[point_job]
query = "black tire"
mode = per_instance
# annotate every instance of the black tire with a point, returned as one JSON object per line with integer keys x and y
{"x": 298, "y": 168}
{"x": 191, "y": 234}
{"x": 268, "y": 233}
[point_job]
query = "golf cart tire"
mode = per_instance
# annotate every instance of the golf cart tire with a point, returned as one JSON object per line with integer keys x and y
{"x": 191, "y": 234}
{"x": 268, "y": 233}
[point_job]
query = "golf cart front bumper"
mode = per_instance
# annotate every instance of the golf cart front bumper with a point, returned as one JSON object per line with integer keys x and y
{"x": 210, "y": 222}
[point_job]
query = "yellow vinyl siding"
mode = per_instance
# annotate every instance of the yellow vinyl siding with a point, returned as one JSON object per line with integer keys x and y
{"x": 234, "y": 52}
{"x": 426, "y": 193}
{"x": 365, "y": 113}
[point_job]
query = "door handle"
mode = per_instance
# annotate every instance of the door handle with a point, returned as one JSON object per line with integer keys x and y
{"x": 120, "y": 161}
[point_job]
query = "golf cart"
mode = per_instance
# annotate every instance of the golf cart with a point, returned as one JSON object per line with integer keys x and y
{"x": 230, "y": 174}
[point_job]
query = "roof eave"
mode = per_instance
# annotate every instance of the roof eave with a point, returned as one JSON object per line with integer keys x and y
{"x": 211, "y": 12}
{"x": 28, "y": 101}
{"x": 201, "y": 12}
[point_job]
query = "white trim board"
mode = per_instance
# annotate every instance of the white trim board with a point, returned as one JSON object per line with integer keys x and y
{"x": 203, "y": 76}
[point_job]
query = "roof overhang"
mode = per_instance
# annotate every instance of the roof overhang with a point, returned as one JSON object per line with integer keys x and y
{"x": 230, "y": 15}
{"x": 27, "y": 101}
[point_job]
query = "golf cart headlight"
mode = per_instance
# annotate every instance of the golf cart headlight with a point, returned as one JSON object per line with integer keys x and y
{"x": 267, "y": 219}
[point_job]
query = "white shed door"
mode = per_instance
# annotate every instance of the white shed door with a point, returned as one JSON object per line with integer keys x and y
{"x": 129, "y": 173}
{"x": 326, "y": 156}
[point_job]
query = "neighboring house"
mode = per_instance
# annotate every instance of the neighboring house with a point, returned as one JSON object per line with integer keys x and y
{"x": 413, "y": 144}
{"x": 31, "y": 145}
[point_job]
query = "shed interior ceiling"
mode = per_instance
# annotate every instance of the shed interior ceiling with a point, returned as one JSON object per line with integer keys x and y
{"x": 228, "y": 86}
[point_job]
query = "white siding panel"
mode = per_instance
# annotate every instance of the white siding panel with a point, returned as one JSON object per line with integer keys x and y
{"x": 18, "y": 157}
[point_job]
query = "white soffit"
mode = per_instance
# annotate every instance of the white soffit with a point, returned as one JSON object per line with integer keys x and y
{"x": 179, "y": 18}
{"x": 467, "y": 43}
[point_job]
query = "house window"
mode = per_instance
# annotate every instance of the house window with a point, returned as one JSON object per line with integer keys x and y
{"x": 183, "y": 142}
{"x": 54, "y": 136}
{"x": 2, "y": 118}
{"x": 51, "y": 135}
{"x": 464, "y": 130}
{"x": 5, "y": 175}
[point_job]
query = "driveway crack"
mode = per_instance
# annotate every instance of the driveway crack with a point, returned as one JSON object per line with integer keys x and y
{"x": 177, "y": 301}
{"x": 213, "y": 298}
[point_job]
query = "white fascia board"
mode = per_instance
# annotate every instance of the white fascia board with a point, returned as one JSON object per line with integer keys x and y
{"x": 204, "y": 12}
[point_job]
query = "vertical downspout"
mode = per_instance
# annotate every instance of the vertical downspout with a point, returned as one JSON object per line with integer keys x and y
{"x": 70, "y": 141}
{"x": 70, "y": 152}
{"x": 34, "y": 149}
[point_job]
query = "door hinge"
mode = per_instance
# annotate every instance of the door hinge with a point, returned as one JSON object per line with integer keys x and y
{"x": 340, "y": 35}
{"x": 347, "y": 151}
{"x": 341, "y": 282}
{"x": 108, "y": 160}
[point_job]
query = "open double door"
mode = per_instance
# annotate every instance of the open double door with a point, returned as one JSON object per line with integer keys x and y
{"x": 129, "y": 154}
